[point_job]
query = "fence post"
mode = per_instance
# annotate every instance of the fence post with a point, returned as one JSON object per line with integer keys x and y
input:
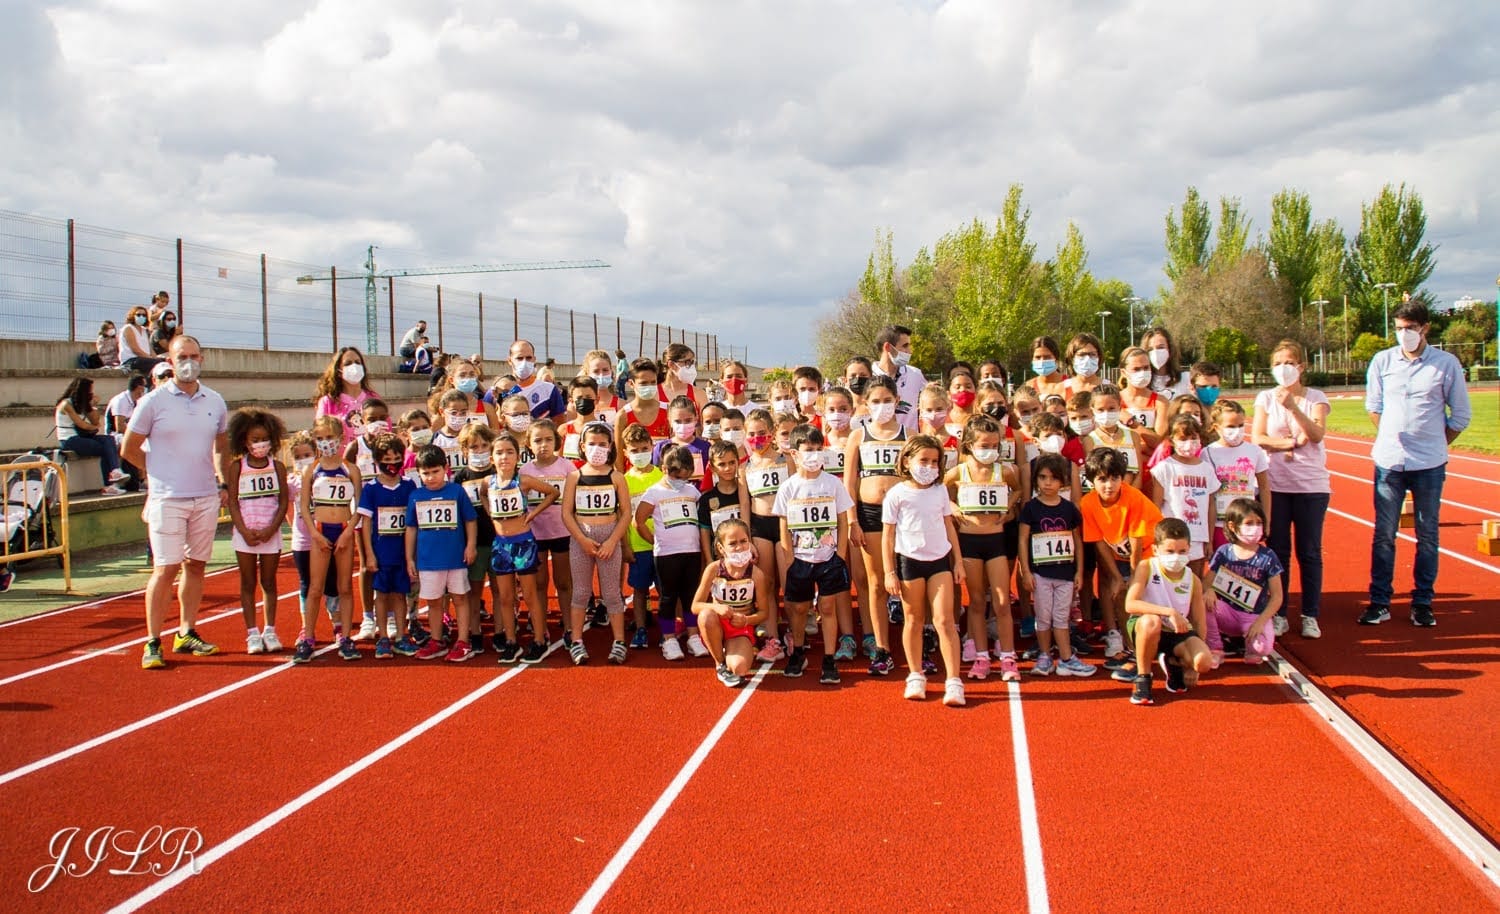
{"x": 72, "y": 291}
{"x": 481, "y": 326}
{"x": 333, "y": 297}
{"x": 265, "y": 309}
{"x": 547, "y": 331}
{"x": 596, "y": 331}
{"x": 390, "y": 290}
{"x": 619, "y": 335}
{"x": 640, "y": 349}
{"x": 515, "y": 319}
{"x": 572, "y": 337}
{"x": 440, "y": 317}
{"x": 180, "y": 321}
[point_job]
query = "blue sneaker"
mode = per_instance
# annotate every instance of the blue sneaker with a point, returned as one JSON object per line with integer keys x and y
{"x": 303, "y": 651}
{"x": 867, "y": 647}
{"x": 383, "y": 649}
{"x": 845, "y": 649}
{"x": 639, "y": 641}
{"x": 347, "y": 650}
{"x": 405, "y": 647}
{"x": 1028, "y": 627}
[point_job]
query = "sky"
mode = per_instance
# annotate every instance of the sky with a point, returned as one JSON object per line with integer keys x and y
{"x": 733, "y": 161}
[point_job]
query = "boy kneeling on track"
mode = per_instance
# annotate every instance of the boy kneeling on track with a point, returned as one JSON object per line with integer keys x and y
{"x": 1167, "y": 622}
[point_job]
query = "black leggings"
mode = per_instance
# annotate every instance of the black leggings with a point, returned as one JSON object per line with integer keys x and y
{"x": 303, "y": 561}
{"x": 676, "y": 583}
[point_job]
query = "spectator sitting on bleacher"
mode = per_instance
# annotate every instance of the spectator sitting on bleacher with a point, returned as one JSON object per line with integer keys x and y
{"x": 118, "y": 413}
{"x": 163, "y": 331}
{"x": 106, "y": 347}
{"x": 135, "y": 344}
{"x": 79, "y": 426}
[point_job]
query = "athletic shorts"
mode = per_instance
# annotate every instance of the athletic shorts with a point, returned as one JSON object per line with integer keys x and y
{"x": 823, "y": 579}
{"x": 869, "y": 517}
{"x": 909, "y": 569}
{"x": 1011, "y": 541}
{"x": 642, "y": 574}
{"x": 557, "y": 545}
{"x": 1168, "y": 642}
{"x": 392, "y": 579}
{"x": 481, "y": 564}
{"x": 433, "y": 584}
{"x": 982, "y": 546}
{"x": 765, "y": 527}
{"x": 181, "y": 528}
{"x": 331, "y": 532}
{"x": 513, "y": 554}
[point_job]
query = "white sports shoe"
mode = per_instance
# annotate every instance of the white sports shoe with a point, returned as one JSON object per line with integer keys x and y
{"x": 255, "y": 643}
{"x": 953, "y": 693}
{"x": 916, "y": 687}
{"x": 671, "y": 648}
{"x": 1310, "y": 627}
{"x": 695, "y": 646}
{"x": 272, "y": 643}
{"x": 1113, "y": 643}
{"x": 1281, "y": 625}
{"x": 367, "y": 630}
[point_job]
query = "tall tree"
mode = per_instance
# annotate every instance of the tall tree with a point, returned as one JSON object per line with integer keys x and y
{"x": 1390, "y": 247}
{"x": 998, "y": 291}
{"x": 878, "y": 285}
{"x": 1244, "y": 296}
{"x": 1292, "y": 247}
{"x": 1187, "y": 239}
{"x": 1232, "y": 237}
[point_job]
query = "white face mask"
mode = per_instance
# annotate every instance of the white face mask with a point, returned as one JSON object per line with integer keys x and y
{"x": 110, "y": 332}
{"x": 882, "y": 413}
{"x": 713, "y": 431}
{"x": 456, "y": 423}
{"x": 421, "y": 437}
{"x": 1107, "y": 418}
{"x": 784, "y": 406}
{"x": 1409, "y": 338}
{"x": 1250, "y": 534}
{"x": 902, "y": 359}
{"x": 645, "y": 391}
{"x": 1085, "y": 365}
{"x": 1172, "y": 562}
{"x": 1159, "y": 358}
{"x": 1232, "y": 435}
{"x": 685, "y": 431}
{"x": 519, "y": 422}
{"x": 812, "y": 461}
{"x": 807, "y": 397}
{"x": 1286, "y": 374}
{"x": 986, "y": 455}
{"x": 1140, "y": 378}
{"x": 187, "y": 370}
{"x": 924, "y": 475}
{"x": 932, "y": 416}
{"x": 302, "y": 463}
{"x": 353, "y": 373}
{"x": 740, "y": 559}
{"x": 479, "y": 460}
{"x": 639, "y": 459}
{"x": 376, "y": 428}
{"x": 734, "y": 435}
{"x": 260, "y": 449}
{"x": 687, "y": 374}
{"x": 605, "y": 381}
{"x": 525, "y": 368}
{"x": 837, "y": 419}
{"x": 597, "y": 454}
{"x": 1186, "y": 447}
{"x": 327, "y": 447}
{"x": 1081, "y": 426}
{"x": 1051, "y": 444}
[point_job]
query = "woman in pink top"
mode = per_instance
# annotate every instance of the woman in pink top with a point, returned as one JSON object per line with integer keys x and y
{"x": 1290, "y": 422}
{"x": 343, "y": 390}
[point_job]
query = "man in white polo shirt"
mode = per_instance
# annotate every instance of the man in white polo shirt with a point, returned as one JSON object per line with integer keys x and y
{"x": 893, "y": 344}
{"x": 186, "y": 424}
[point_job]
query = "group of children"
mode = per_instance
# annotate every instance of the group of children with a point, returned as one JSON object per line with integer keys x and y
{"x": 760, "y": 526}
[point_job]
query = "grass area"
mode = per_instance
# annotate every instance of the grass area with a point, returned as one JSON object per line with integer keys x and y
{"x": 1482, "y": 435}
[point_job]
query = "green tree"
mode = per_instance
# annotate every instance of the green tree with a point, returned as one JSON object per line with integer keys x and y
{"x": 1390, "y": 247}
{"x": 1292, "y": 247}
{"x": 997, "y": 295}
{"x": 1231, "y": 349}
{"x": 1367, "y": 345}
{"x": 1187, "y": 239}
{"x": 878, "y": 285}
{"x": 1232, "y": 237}
{"x": 1245, "y": 297}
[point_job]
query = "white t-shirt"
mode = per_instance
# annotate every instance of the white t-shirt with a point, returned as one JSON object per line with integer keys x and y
{"x": 1236, "y": 468}
{"x": 921, "y": 533}
{"x": 120, "y": 405}
{"x": 1185, "y": 495}
{"x": 909, "y": 384}
{"x": 674, "y": 516}
{"x": 812, "y": 508}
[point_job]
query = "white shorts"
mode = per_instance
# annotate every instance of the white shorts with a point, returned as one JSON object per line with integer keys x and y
{"x": 181, "y": 528}
{"x": 271, "y": 546}
{"x": 433, "y": 584}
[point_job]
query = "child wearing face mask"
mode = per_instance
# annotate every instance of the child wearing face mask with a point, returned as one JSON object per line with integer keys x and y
{"x": 932, "y": 419}
{"x": 678, "y": 375}
{"x": 1185, "y": 486}
{"x": 1240, "y": 465}
{"x": 329, "y": 489}
{"x": 596, "y": 510}
{"x": 682, "y": 417}
{"x": 765, "y": 471}
{"x": 783, "y": 400}
{"x": 734, "y": 377}
{"x": 376, "y": 416}
{"x": 1244, "y": 582}
{"x": 342, "y": 391}
{"x": 807, "y": 384}
{"x": 1082, "y": 358}
{"x": 1144, "y": 409}
{"x": 1109, "y": 431}
{"x": 478, "y": 442}
{"x": 1167, "y": 622}
{"x": 641, "y": 574}
{"x": 465, "y": 378}
{"x": 415, "y": 430}
{"x": 646, "y": 410}
{"x": 382, "y": 510}
{"x": 1052, "y": 436}
{"x": 1046, "y": 367}
{"x": 733, "y": 597}
{"x": 1184, "y": 405}
{"x": 305, "y": 455}
{"x": 256, "y": 509}
{"x": 515, "y": 418}
{"x": 672, "y": 507}
{"x": 453, "y": 408}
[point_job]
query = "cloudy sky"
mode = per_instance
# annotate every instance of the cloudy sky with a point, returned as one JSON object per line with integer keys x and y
{"x": 733, "y": 160}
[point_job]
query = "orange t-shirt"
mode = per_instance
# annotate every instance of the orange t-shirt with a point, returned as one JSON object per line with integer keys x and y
{"x": 1132, "y": 515}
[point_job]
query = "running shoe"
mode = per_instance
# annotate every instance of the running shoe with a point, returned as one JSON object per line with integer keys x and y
{"x": 406, "y": 647}
{"x": 1375, "y": 614}
{"x": 255, "y": 643}
{"x": 432, "y": 650}
{"x": 846, "y": 648}
{"x": 1043, "y": 665}
{"x": 953, "y": 693}
{"x": 1310, "y": 627}
{"x": 578, "y": 653}
{"x": 639, "y": 641}
{"x": 190, "y": 643}
{"x": 1176, "y": 684}
{"x": 1009, "y": 671}
{"x": 671, "y": 648}
{"x": 1080, "y": 643}
{"x": 272, "y": 643}
{"x": 1126, "y": 673}
{"x": 418, "y": 634}
{"x": 981, "y": 667}
{"x": 1119, "y": 663}
{"x": 726, "y": 676}
{"x": 883, "y": 664}
{"x": 347, "y": 650}
{"x": 916, "y": 687}
{"x": 1421, "y": 616}
{"x": 151, "y": 658}
{"x": 617, "y": 653}
{"x": 772, "y": 652}
{"x": 384, "y": 650}
{"x": 695, "y": 646}
{"x": 1028, "y": 626}
{"x": 1281, "y": 625}
{"x": 461, "y": 651}
{"x": 810, "y": 627}
{"x": 894, "y": 611}
{"x": 510, "y": 652}
{"x": 117, "y": 476}
{"x": 796, "y": 663}
{"x": 111, "y": 490}
{"x": 929, "y": 639}
{"x": 302, "y": 652}
{"x": 534, "y": 653}
{"x": 1140, "y": 692}
{"x": 476, "y": 641}
{"x": 867, "y": 646}
{"x": 968, "y": 651}
{"x": 1074, "y": 667}
{"x": 830, "y": 674}
{"x": 367, "y": 629}
{"x": 1114, "y": 645}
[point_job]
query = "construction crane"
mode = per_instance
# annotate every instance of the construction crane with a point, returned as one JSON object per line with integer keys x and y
{"x": 370, "y": 275}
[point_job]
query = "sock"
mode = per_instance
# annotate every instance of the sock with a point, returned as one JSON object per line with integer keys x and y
{"x": 251, "y": 632}
{"x": 1007, "y": 655}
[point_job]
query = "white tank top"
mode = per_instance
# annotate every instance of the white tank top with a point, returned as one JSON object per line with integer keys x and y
{"x": 1175, "y": 594}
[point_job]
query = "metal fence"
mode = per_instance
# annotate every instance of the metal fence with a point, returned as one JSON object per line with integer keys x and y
{"x": 60, "y": 280}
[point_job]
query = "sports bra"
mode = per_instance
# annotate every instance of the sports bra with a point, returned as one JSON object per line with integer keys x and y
{"x": 877, "y": 457}
{"x": 734, "y": 592}
{"x": 507, "y": 501}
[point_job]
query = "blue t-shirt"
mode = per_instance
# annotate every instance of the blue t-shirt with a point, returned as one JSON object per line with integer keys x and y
{"x": 699, "y": 447}
{"x": 1241, "y": 583}
{"x": 1052, "y": 542}
{"x": 385, "y": 509}
{"x": 439, "y": 517}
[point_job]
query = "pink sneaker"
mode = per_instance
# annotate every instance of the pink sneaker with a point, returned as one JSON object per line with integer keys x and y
{"x": 1009, "y": 671}
{"x": 772, "y": 652}
{"x": 981, "y": 667}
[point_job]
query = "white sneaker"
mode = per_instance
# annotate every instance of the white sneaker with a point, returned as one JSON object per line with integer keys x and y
{"x": 391, "y": 631}
{"x": 254, "y": 643}
{"x": 695, "y": 646}
{"x": 111, "y": 490}
{"x": 811, "y": 628}
{"x": 367, "y": 630}
{"x": 1310, "y": 627}
{"x": 953, "y": 693}
{"x": 671, "y": 648}
{"x": 969, "y": 653}
{"x": 118, "y": 476}
{"x": 916, "y": 687}
{"x": 1281, "y": 625}
{"x": 1113, "y": 643}
{"x": 271, "y": 642}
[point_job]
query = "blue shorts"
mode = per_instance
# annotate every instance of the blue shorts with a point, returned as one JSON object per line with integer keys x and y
{"x": 391, "y": 579}
{"x": 513, "y": 554}
{"x": 642, "y": 572}
{"x": 825, "y": 579}
{"x": 331, "y": 532}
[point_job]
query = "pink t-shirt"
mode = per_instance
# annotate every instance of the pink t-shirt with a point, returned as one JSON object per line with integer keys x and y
{"x": 549, "y": 524}
{"x": 346, "y": 409}
{"x": 1303, "y": 470}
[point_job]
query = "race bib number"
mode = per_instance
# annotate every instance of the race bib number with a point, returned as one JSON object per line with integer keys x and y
{"x": 594, "y": 501}
{"x": 678, "y": 511}
{"x": 437, "y": 514}
{"x": 765, "y": 481}
{"x": 1224, "y": 497}
{"x": 455, "y": 456}
{"x": 697, "y": 466}
{"x": 332, "y": 491}
{"x": 570, "y": 448}
{"x": 811, "y": 513}
{"x": 556, "y": 482}
{"x": 259, "y": 485}
{"x": 737, "y": 593}
{"x": 390, "y": 520}
{"x": 1235, "y": 590}
{"x": 1051, "y": 548}
{"x": 475, "y": 489}
{"x": 983, "y": 498}
{"x": 507, "y": 503}
{"x": 879, "y": 456}
{"x": 833, "y": 461}
{"x": 720, "y": 515}
{"x": 1144, "y": 418}
{"x": 1008, "y": 450}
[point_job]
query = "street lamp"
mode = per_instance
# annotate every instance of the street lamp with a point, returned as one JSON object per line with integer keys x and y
{"x": 1102, "y": 342}
{"x": 1385, "y": 290}
{"x": 1322, "y": 364}
{"x": 1132, "y": 301}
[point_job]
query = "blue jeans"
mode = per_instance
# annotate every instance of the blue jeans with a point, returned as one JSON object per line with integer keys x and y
{"x": 1391, "y": 486}
{"x": 1304, "y": 512}
{"x": 102, "y": 446}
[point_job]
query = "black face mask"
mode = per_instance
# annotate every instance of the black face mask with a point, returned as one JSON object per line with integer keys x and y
{"x": 859, "y": 384}
{"x": 995, "y": 411}
{"x": 583, "y": 406}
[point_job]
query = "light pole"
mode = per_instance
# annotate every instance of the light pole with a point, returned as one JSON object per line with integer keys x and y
{"x": 1132, "y": 301}
{"x": 1322, "y": 364}
{"x": 1385, "y": 290}
{"x": 1102, "y": 341}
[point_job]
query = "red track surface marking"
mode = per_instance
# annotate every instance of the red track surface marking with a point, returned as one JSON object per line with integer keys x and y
{"x": 1231, "y": 797}
{"x": 842, "y": 799}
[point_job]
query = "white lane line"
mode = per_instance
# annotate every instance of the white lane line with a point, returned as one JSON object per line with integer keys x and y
{"x": 1470, "y": 843}
{"x": 1487, "y": 512}
{"x": 1488, "y": 461}
{"x": 1031, "y": 834}
{"x": 156, "y": 718}
{"x": 106, "y": 651}
{"x": 258, "y": 828}
{"x": 99, "y": 602}
{"x": 1450, "y": 474}
{"x": 1411, "y": 539}
{"x": 622, "y": 857}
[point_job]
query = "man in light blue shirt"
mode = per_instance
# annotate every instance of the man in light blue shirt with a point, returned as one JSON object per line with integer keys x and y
{"x": 1416, "y": 397}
